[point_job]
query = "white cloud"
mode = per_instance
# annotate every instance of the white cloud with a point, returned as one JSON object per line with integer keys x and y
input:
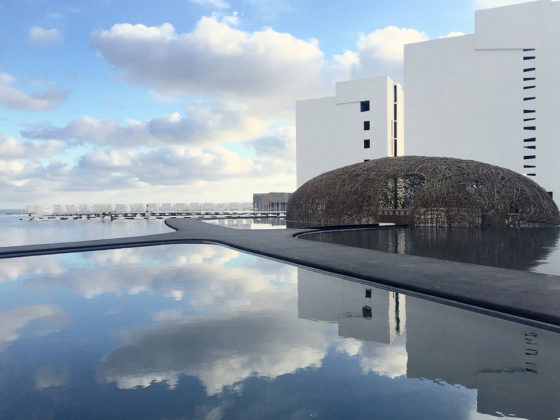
{"x": 11, "y": 148}
{"x": 196, "y": 271}
{"x": 219, "y": 4}
{"x": 215, "y": 58}
{"x": 486, "y": 4}
{"x": 220, "y": 352}
{"x": 378, "y": 53}
{"x": 13, "y": 321}
{"x": 203, "y": 123}
{"x": 280, "y": 144}
{"x": 19, "y": 268}
{"x": 49, "y": 377}
{"x": 452, "y": 34}
{"x": 43, "y": 37}
{"x": 17, "y": 99}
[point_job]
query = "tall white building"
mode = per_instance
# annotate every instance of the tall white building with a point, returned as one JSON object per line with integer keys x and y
{"x": 363, "y": 121}
{"x": 492, "y": 96}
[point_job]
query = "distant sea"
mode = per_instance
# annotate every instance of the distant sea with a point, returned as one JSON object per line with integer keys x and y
{"x": 15, "y": 229}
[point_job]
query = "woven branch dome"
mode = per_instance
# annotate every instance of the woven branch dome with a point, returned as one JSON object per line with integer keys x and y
{"x": 423, "y": 191}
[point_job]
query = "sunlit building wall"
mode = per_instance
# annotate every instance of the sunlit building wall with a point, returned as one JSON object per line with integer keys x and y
{"x": 364, "y": 120}
{"x": 490, "y": 96}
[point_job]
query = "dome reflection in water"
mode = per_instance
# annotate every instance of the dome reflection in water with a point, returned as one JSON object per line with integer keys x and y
{"x": 202, "y": 331}
{"x": 532, "y": 249}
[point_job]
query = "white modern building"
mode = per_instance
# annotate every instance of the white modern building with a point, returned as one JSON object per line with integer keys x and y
{"x": 363, "y": 121}
{"x": 492, "y": 96}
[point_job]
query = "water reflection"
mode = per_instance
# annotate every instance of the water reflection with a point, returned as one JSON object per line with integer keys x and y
{"x": 219, "y": 352}
{"x": 195, "y": 331}
{"x": 513, "y": 367}
{"x": 15, "y": 322}
{"x": 533, "y": 249}
{"x": 255, "y": 223}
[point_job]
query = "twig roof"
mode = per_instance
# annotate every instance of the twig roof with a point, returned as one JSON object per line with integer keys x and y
{"x": 430, "y": 190}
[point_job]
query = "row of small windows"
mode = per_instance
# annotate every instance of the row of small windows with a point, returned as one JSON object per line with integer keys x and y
{"x": 531, "y": 56}
{"x": 364, "y": 107}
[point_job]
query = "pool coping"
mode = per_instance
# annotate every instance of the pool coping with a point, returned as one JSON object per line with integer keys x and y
{"x": 527, "y": 295}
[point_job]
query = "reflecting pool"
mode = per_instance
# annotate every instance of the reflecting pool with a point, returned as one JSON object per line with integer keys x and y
{"x": 17, "y": 230}
{"x": 531, "y": 249}
{"x": 254, "y": 223}
{"x": 201, "y": 331}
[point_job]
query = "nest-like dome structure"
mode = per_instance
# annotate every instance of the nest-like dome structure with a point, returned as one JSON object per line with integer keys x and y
{"x": 422, "y": 191}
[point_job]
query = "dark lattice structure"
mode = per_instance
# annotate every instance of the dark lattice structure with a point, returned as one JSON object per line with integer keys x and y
{"x": 422, "y": 191}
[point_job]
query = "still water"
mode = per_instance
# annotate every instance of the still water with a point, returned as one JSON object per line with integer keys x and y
{"x": 202, "y": 331}
{"x": 256, "y": 223}
{"x": 530, "y": 249}
{"x": 17, "y": 230}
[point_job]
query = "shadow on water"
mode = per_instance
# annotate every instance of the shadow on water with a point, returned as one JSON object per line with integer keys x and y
{"x": 520, "y": 249}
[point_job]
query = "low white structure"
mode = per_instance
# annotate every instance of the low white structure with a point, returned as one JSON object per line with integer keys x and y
{"x": 363, "y": 121}
{"x": 492, "y": 96}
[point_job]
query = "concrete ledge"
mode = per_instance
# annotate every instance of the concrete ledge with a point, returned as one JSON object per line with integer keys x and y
{"x": 522, "y": 294}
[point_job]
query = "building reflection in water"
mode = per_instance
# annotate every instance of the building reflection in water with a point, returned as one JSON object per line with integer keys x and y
{"x": 517, "y": 248}
{"x": 362, "y": 312}
{"x": 514, "y": 367}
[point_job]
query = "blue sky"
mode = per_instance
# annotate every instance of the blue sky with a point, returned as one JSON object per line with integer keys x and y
{"x": 120, "y": 101}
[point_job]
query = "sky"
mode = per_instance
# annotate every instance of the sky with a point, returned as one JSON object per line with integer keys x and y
{"x": 144, "y": 101}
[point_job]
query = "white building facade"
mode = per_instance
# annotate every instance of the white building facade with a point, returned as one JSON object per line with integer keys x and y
{"x": 492, "y": 96}
{"x": 365, "y": 120}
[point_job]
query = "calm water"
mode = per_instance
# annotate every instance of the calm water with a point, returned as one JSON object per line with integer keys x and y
{"x": 15, "y": 231}
{"x": 257, "y": 223}
{"x": 531, "y": 249}
{"x": 201, "y": 331}
{"x": 22, "y": 232}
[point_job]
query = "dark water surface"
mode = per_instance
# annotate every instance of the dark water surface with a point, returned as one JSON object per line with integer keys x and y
{"x": 531, "y": 249}
{"x": 201, "y": 331}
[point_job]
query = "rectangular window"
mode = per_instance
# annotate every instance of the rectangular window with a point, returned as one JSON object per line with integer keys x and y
{"x": 366, "y": 144}
{"x": 526, "y": 79}
{"x": 530, "y": 98}
{"x": 394, "y": 111}
{"x": 529, "y": 166}
{"x": 529, "y": 119}
{"x": 368, "y": 293}
{"x": 530, "y": 147}
{"x": 366, "y": 125}
{"x": 529, "y": 87}
{"x": 531, "y": 174}
{"x": 528, "y": 111}
{"x": 529, "y": 69}
{"x": 394, "y": 93}
{"x": 364, "y": 106}
{"x": 532, "y": 128}
{"x": 395, "y": 129}
{"x": 529, "y": 157}
{"x": 366, "y": 160}
{"x": 529, "y": 139}
{"x": 529, "y": 57}
{"x": 550, "y": 193}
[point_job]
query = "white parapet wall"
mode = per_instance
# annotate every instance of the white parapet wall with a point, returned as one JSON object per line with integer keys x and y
{"x": 491, "y": 96}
